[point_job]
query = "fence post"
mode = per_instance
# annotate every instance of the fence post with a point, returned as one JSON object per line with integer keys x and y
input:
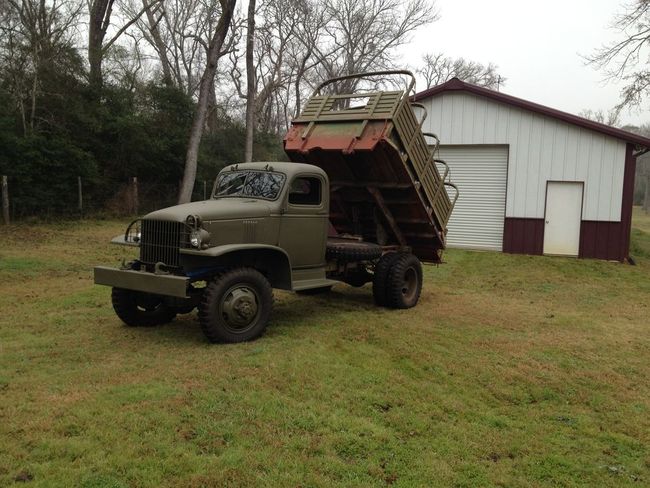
{"x": 81, "y": 197}
{"x": 5, "y": 200}
{"x": 134, "y": 194}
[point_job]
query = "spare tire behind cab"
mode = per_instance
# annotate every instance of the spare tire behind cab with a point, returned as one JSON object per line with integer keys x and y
{"x": 351, "y": 250}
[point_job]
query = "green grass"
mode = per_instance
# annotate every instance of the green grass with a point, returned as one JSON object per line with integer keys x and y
{"x": 512, "y": 371}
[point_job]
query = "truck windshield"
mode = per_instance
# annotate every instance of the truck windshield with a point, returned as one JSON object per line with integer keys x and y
{"x": 254, "y": 184}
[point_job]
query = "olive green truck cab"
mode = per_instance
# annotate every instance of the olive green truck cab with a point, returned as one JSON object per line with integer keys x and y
{"x": 286, "y": 225}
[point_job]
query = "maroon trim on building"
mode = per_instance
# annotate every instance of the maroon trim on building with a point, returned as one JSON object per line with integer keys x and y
{"x": 523, "y": 236}
{"x": 611, "y": 240}
{"x": 628, "y": 199}
{"x": 456, "y": 85}
{"x": 602, "y": 240}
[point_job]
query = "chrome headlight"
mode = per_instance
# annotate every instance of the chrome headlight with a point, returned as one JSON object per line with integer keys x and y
{"x": 195, "y": 239}
{"x": 199, "y": 238}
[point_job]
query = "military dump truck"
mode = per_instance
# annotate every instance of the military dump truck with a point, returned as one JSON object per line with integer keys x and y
{"x": 363, "y": 199}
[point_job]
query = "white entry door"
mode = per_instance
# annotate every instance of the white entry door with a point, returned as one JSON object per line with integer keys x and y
{"x": 563, "y": 217}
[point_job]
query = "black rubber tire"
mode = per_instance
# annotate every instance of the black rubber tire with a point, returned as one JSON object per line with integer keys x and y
{"x": 184, "y": 310}
{"x": 191, "y": 303}
{"x": 132, "y": 308}
{"x": 350, "y": 250}
{"x": 404, "y": 283}
{"x": 212, "y": 318}
{"x": 380, "y": 279}
{"x": 315, "y": 291}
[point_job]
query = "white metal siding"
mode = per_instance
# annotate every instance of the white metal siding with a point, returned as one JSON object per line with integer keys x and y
{"x": 480, "y": 173}
{"x": 541, "y": 149}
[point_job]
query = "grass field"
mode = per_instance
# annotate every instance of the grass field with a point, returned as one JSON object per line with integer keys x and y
{"x": 512, "y": 371}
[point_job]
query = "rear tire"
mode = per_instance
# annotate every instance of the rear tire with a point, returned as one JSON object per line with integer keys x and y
{"x": 139, "y": 309}
{"x": 404, "y": 283}
{"x": 236, "y": 306}
{"x": 380, "y": 280}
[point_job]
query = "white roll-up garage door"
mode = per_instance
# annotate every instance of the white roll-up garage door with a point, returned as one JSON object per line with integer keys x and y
{"x": 480, "y": 172}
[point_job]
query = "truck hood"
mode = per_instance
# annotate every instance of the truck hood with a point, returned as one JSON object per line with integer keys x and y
{"x": 219, "y": 209}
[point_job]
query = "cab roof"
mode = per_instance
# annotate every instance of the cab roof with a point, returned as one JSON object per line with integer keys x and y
{"x": 288, "y": 168}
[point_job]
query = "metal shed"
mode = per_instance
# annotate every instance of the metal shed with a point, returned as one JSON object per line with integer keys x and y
{"x": 532, "y": 179}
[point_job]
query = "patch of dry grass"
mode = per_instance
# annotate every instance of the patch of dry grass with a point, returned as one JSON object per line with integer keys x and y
{"x": 513, "y": 371}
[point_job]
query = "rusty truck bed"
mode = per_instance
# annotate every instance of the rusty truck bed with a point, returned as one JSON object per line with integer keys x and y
{"x": 377, "y": 158}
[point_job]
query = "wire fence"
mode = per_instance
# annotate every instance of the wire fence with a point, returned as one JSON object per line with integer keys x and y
{"x": 83, "y": 197}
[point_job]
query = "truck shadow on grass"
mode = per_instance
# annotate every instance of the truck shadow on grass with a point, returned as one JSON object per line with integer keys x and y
{"x": 290, "y": 313}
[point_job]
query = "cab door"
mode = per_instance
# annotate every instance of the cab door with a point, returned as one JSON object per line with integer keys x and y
{"x": 303, "y": 231}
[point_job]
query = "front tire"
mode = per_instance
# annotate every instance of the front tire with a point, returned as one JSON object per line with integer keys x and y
{"x": 236, "y": 306}
{"x": 139, "y": 309}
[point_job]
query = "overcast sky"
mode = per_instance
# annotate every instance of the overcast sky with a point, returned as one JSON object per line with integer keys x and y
{"x": 537, "y": 46}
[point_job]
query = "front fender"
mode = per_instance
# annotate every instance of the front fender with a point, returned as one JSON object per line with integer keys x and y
{"x": 272, "y": 261}
{"x": 121, "y": 241}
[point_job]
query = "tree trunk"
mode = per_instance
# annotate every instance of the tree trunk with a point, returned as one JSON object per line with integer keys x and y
{"x": 198, "y": 123}
{"x": 299, "y": 75}
{"x": 100, "y": 14}
{"x": 5, "y": 200}
{"x": 159, "y": 44}
{"x": 212, "y": 117}
{"x": 250, "y": 83}
{"x": 95, "y": 76}
{"x": 32, "y": 112}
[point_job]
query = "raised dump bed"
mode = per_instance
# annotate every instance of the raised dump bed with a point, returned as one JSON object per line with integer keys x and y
{"x": 386, "y": 184}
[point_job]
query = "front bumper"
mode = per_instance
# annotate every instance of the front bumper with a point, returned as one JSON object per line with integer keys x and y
{"x": 168, "y": 285}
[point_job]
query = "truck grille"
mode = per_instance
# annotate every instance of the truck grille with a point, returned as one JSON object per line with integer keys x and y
{"x": 160, "y": 241}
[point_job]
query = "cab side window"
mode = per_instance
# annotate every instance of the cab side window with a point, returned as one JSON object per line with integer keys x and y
{"x": 305, "y": 190}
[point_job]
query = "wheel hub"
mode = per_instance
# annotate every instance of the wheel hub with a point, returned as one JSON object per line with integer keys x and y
{"x": 240, "y": 307}
{"x": 409, "y": 286}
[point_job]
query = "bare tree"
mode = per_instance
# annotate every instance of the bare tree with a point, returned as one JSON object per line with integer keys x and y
{"x": 298, "y": 43}
{"x": 34, "y": 34}
{"x": 362, "y": 35}
{"x": 214, "y": 53}
{"x": 627, "y": 58}
{"x": 437, "y": 68}
{"x": 180, "y": 33}
{"x": 156, "y": 40}
{"x": 314, "y": 19}
{"x": 269, "y": 67}
{"x": 611, "y": 117}
{"x": 100, "y": 12}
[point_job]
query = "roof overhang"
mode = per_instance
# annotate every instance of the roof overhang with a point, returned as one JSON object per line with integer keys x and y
{"x": 456, "y": 85}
